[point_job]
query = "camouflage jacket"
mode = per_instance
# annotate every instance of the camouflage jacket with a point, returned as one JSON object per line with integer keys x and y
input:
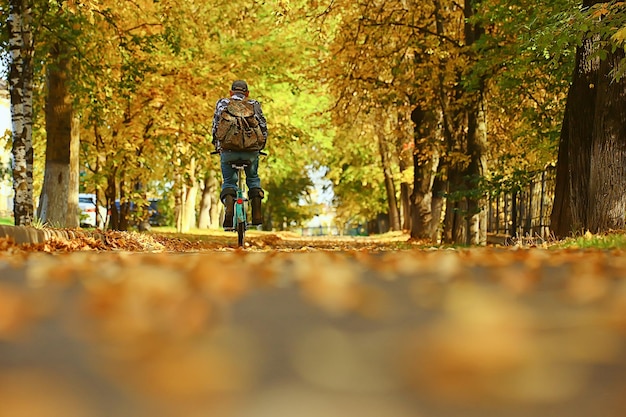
{"x": 223, "y": 103}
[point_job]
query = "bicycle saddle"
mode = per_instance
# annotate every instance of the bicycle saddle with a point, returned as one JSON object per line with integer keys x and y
{"x": 240, "y": 163}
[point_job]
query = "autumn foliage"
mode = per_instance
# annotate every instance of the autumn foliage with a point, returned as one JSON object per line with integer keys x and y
{"x": 413, "y": 111}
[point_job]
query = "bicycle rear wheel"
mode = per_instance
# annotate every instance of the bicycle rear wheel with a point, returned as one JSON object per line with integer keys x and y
{"x": 241, "y": 233}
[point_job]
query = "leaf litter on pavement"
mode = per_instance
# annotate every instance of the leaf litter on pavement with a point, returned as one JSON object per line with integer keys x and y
{"x": 163, "y": 326}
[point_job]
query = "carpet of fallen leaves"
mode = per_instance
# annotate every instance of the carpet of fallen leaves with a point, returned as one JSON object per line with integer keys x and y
{"x": 109, "y": 241}
{"x": 155, "y": 242}
{"x": 154, "y": 325}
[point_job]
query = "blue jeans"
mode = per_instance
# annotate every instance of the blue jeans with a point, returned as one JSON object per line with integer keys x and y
{"x": 229, "y": 174}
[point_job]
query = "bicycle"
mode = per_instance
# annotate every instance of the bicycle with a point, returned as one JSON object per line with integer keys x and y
{"x": 240, "y": 218}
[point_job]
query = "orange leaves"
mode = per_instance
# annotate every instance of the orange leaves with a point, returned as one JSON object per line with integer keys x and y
{"x": 372, "y": 332}
{"x": 495, "y": 343}
{"x": 28, "y": 391}
{"x": 331, "y": 284}
{"x": 604, "y": 9}
{"x": 15, "y": 312}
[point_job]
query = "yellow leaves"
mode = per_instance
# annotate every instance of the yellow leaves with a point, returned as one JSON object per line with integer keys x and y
{"x": 184, "y": 334}
{"x": 620, "y": 35}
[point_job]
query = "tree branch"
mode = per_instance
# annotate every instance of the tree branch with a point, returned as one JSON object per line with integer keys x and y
{"x": 370, "y": 22}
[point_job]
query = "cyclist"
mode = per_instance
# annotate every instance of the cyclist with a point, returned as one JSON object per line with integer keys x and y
{"x": 239, "y": 91}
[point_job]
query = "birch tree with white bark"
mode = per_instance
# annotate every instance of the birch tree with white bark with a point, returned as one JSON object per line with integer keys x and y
{"x": 21, "y": 48}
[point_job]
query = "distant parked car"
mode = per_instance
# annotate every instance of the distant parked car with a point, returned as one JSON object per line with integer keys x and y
{"x": 88, "y": 214}
{"x": 156, "y": 217}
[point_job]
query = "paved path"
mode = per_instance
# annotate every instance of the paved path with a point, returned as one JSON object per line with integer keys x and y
{"x": 406, "y": 334}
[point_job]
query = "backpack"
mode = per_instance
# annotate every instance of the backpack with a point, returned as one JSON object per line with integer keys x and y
{"x": 238, "y": 129}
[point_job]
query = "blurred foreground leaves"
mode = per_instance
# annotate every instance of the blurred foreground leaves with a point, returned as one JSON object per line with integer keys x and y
{"x": 479, "y": 332}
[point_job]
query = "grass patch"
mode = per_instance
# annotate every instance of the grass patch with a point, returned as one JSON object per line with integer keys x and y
{"x": 615, "y": 240}
{"x": 8, "y": 221}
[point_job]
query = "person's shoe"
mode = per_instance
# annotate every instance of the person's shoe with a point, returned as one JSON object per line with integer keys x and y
{"x": 256, "y": 195}
{"x": 229, "y": 212}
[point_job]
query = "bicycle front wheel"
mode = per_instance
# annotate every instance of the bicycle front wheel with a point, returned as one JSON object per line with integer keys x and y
{"x": 241, "y": 233}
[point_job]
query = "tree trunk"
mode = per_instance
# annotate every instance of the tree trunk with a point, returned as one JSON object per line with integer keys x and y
{"x": 110, "y": 195}
{"x": 54, "y": 200}
{"x": 466, "y": 216}
{"x": 209, "y": 205}
{"x": 405, "y": 159}
{"x": 190, "y": 207}
{"x": 186, "y": 217}
{"x": 422, "y": 214}
{"x": 72, "y": 218}
{"x": 421, "y": 199}
{"x": 394, "y": 214}
{"x": 124, "y": 212}
{"x": 477, "y": 149}
{"x": 439, "y": 190}
{"x": 455, "y": 222}
{"x": 591, "y": 168}
{"x": 441, "y": 183}
{"x": 405, "y": 200}
{"x": 204, "y": 216}
{"x": 119, "y": 219}
{"x": 268, "y": 223}
{"x": 179, "y": 199}
{"x": 20, "y": 87}
{"x": 580, "y": 116}
{"x": 561, "y": 216}
{"x": 607, "y": 182}
{"x": 100, "y": 161}
{"x": 216, "y": 204}
{"x": 476, "y": 145}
